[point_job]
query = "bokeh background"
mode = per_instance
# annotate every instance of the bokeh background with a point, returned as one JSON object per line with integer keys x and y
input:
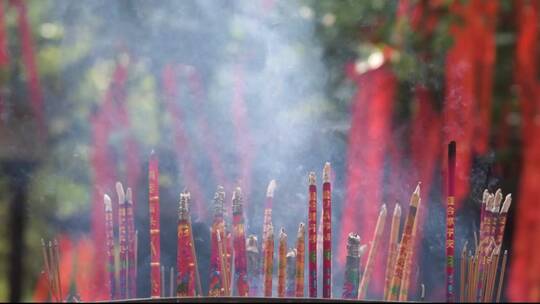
{"x": 241, "y": 92}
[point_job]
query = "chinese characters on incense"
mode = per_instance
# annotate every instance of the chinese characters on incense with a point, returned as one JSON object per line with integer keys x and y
{"x": 327, "y": 233}
{"x": 155, "y": 250}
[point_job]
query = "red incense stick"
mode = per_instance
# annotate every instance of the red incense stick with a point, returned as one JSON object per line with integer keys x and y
{"x": 153, "y": 200}
{"x": 239, "y": 243}
{"x": 269, "y": 262}
{"x": 327, "y": 233}
{"x": 123, "y": 238}
{"x": 312, "y": 236}
{"x": 450, "y": 217}
{"x": 217, "y": 284}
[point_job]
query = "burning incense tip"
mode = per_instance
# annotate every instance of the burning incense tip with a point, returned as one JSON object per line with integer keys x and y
{"x": 362, "y": 250}
{"x": 353, "y": 242}
{"x": 251, "y": 244}
{"x": 498, "y": 200}
{"x": 108, "y": 204}
{"x": 452, "y": 151}
{"x": 397, "y": 210}
{"x": 506, "y": 204}
{"x": 326, "y": 172}
{"x": 219, "y": 199}
{"x": 301, "y": 229}
{"x": 312, "y": 179}
{"x": 417, "y": 189}
{"x": 383, "y": 210}
{"x": 271, "y": 188}
{"x": 120, "y": 192}
{"x": 291, "y": 253}
{"x": 184, "y": 205}
{"x": 129, "y": 196}
{"x": 282, "y": 234}
{"x": 237, "y": 196}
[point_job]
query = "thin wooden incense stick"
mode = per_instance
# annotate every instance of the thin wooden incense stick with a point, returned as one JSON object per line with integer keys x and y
{"x": 395, "y": 286}
{"x": 153, "y": 202}
{"x": 450, "y": 218}
{"x": 300, "y": 260}
{"x": 327, "y": 233}
{"x": 501, "y": 276}
{"x": 312, "y": 235}
{"x": 392, "y": 248}
{"x": 130, "y": 221}
{"x": 373, "y": 251}
{"x": 223, "y": 264}
{"x": 47, "y": 268}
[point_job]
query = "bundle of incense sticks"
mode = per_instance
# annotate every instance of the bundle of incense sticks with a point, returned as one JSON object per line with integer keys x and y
{"x": 290, "y": 287}
{"x": 217, "y": 285}
{"x": 377, "y": 236}
{"x": 300, "y": 261}
{"x": 155, "y": 247}
{"x": 253, "y": 269}
{"x": 392, "y": 249}
{"x": 352, "y": 266}
{"x": 327, "y": 233}
{"x": 480, "y": 278}
{"x": 282, "y": 263}
{"x": 51, "y": 258}
{"x": 239, "y": 240}
{"x": 404, "y": 247}
{"x": 186, "y": 262}
{"x": 312, "y": 235}
{"x": 450, "y": 221}
{"x": 268, "y": 261}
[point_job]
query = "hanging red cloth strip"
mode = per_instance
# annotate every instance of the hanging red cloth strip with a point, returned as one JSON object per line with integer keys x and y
{"x": 370, "y": 129}
{"x": 524, "y": 272}
{"x": 182, "y": 142}
{"x": 29, "y": 62}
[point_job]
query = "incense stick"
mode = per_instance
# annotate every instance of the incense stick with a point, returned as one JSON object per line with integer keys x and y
{"x": 185, "y": 261}
{"x": 269, "y": 262}
{"x": 450, "y": 218}
{"x": 57, "y": 262}
{"x": 395, "y": 286}
{"x": 501, "y": 277}
{"x": 123, "y": 239}
{"x": 154, "y": 212}
{"x": 282, "y": 263}
{"x": 377, "y": 235}
{"x": 130, "y": 221}
{"x": 300, "y": 260}
{"x": 223, "y": 264}
{"x": 352, "y": 267}
{"x": 217, "y": 285}
{"x": 290, "y": 286}
{"x": 239, "y": 240}
{"x": 253, "y": 259}
{"x": 312, "y": 235}
{"x": 392, "y": 249}
{"x": 327, "y": 233}
{"x": 47, "y": 269}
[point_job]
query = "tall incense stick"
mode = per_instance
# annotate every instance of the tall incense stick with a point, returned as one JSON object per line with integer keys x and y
{"x": 217, "y": 270}
{"x": 253, "y": 259}
{"x": 109, "y": 234}
{"x": 282, "y": 263}
{"x": 327, "y": 233}
{"x": 239, "y": 240}
{"x": 392, "y": 248}
{"x": 185, "y": 261}
{"x": 290, "y": 288}
{"x": 352, "y": 267}
{"x": 312, "y": 236}
{"x": 153, "y": 201}
{"x": 395, "y": 286}
{"x": 130, "y": 220}
{"x": 300, "y": 260}
{"x": 450, "y": 217}
{"x": 377, "y": 235}
{"x": 123, "y": 238}
{"x": 269, "y": 262}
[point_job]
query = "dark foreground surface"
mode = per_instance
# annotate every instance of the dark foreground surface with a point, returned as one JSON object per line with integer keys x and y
{"x": 238, "y": 300}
